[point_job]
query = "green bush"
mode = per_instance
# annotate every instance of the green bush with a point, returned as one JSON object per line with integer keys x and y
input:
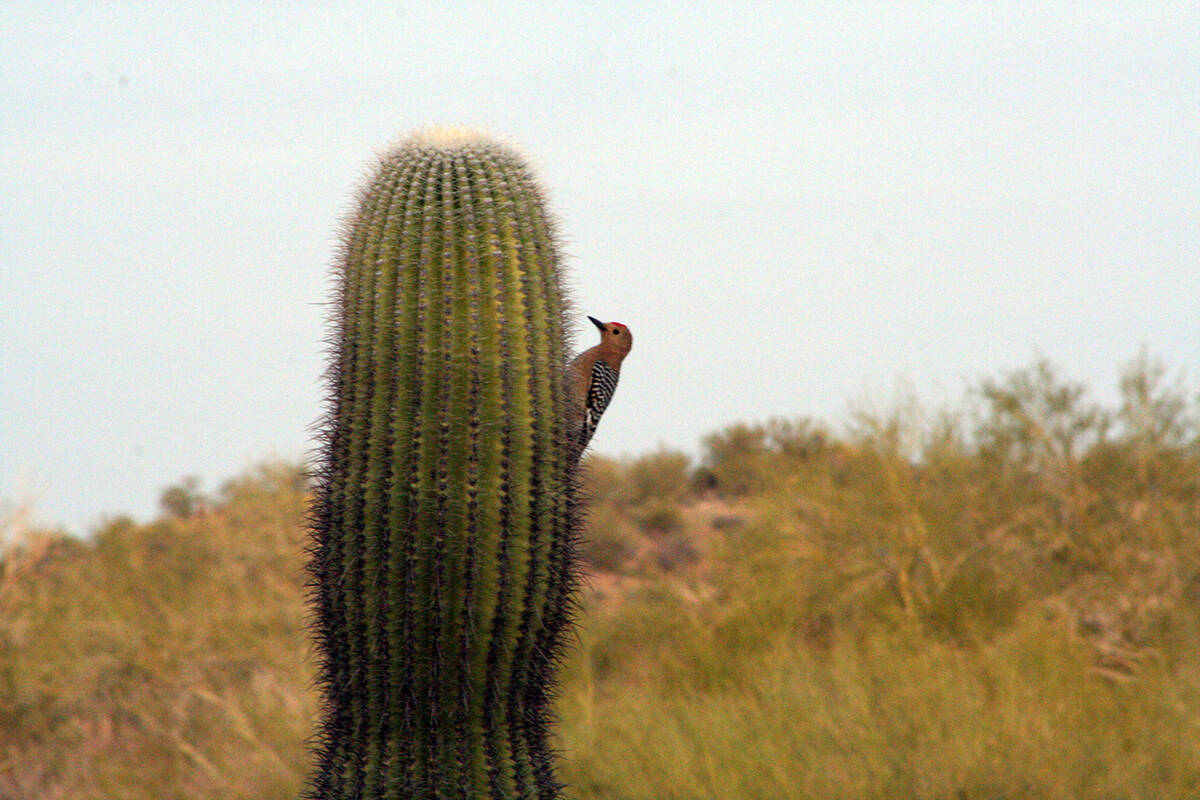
{"x": 183, "y": 499}
{"x": 606, "y": 481}
{"x": 610, "y": 541}
{"x": 661, "y": 475}
{"x": 659, "y": 517}
{"x": 750, "y": 458}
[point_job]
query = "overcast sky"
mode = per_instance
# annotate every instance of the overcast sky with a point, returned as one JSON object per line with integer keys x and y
{"x": 793, "y": 209}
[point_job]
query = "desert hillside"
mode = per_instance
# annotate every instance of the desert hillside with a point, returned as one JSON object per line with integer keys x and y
{"x": 995, "y": 601}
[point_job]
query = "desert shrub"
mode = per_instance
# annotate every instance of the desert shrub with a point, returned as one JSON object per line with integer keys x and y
{"x": 606, "y": 480}
{"x": 610, "y": 540}
{"x": 159, "y": 660}
{"x": 659, "y": 517}
{"x": 631, "y": 503}
{"x": 661, "y": 475}
{"x": 727, "y": 522}
{"x": 675, "y": 550}
{"x": 183, "y": 499}
{"x": 746, "y": 458}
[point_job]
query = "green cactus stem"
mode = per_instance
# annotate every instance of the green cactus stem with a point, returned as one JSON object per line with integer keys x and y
{"x": 445, "y": 520}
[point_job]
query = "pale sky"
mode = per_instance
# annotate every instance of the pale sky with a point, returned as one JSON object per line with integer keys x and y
{"x": 794, "y": 208}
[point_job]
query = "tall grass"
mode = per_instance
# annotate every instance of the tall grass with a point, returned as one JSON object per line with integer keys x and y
{"x": 893, "y": 714}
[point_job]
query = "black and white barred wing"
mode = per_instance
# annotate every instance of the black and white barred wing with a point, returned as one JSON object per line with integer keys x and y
{"x": 600, "y": 392}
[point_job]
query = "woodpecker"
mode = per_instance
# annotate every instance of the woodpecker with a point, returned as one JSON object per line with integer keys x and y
{"x": 593, "y": 379}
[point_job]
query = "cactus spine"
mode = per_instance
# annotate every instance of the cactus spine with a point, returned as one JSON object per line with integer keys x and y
{"x": 444, "y": 524}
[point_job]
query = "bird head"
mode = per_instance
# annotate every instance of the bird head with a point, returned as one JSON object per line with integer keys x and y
{"x": 614, "y": 336}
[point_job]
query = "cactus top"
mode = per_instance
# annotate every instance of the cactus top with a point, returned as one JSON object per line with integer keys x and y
{"x": 448, "y": 137}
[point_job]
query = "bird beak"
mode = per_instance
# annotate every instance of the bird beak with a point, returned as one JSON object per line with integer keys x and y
{"x": 597, "y": 323}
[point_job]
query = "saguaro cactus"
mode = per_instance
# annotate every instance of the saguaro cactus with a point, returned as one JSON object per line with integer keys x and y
{"x": 444, "y": 524}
